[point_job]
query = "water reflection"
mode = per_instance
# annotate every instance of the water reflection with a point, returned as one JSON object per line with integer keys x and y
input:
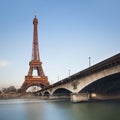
{"x": 58, "y": 110}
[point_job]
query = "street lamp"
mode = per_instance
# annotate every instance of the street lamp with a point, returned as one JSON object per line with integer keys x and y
{"x": 69, "y": 72}
{"x": 58, "y": 78}
{"x": 89, "y": 61}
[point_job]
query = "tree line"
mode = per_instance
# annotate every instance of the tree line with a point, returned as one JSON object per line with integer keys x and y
{"x": 10, "y": 89}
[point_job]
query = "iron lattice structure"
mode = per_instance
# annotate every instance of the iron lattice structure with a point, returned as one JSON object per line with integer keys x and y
{"x": 35, "y": 64}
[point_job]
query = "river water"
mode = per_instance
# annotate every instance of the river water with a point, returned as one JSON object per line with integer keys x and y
{"x": 35, "y": 109}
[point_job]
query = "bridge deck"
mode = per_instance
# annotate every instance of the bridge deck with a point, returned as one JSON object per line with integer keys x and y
{"x": 114, "y": 60}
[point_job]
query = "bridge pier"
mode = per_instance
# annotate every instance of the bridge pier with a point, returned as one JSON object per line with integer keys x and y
{"x": 79, "y": 97}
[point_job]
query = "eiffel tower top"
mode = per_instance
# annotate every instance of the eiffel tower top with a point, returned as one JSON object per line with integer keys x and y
{"x": 35, "y": 20}
{"x": 35, "y": 46}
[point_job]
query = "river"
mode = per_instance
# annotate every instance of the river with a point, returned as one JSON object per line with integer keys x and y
{"x": 35, "y": 109}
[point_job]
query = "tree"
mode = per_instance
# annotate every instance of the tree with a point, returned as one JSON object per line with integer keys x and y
{"x": 12, "y": 89}
{"x": 4, "y": 90}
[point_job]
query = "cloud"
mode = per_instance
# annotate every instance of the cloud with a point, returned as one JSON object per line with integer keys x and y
{"x": 4, "y": 63}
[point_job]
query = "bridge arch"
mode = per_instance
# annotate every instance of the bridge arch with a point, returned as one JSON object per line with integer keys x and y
{"x": 61, "y": 91}
{"x": 46, "y": 93}
{"x": 96, "y": 85}
{"x": 107, "y": 84}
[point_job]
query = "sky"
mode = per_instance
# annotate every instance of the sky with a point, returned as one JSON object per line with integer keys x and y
{"x": 69, "y": 32}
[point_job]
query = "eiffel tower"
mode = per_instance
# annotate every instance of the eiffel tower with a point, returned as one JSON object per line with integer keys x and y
{"x": 35, "y": 64}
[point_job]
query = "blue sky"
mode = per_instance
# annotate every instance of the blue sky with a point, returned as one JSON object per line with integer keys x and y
{"x": 69, "y": 32}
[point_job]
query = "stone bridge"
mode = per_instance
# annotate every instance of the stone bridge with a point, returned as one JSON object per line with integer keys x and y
{"x": 102, "y": 78}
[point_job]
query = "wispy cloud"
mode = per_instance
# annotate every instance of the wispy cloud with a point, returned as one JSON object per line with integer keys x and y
{"x": 4, "y": 63}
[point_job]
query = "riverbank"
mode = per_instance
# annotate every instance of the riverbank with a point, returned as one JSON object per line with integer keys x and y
{"x": 16, "y": 95}
{"x": 96, "y": 98}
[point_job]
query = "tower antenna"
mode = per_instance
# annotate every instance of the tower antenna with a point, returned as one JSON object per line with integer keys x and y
{"x": 35, "y": 13}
